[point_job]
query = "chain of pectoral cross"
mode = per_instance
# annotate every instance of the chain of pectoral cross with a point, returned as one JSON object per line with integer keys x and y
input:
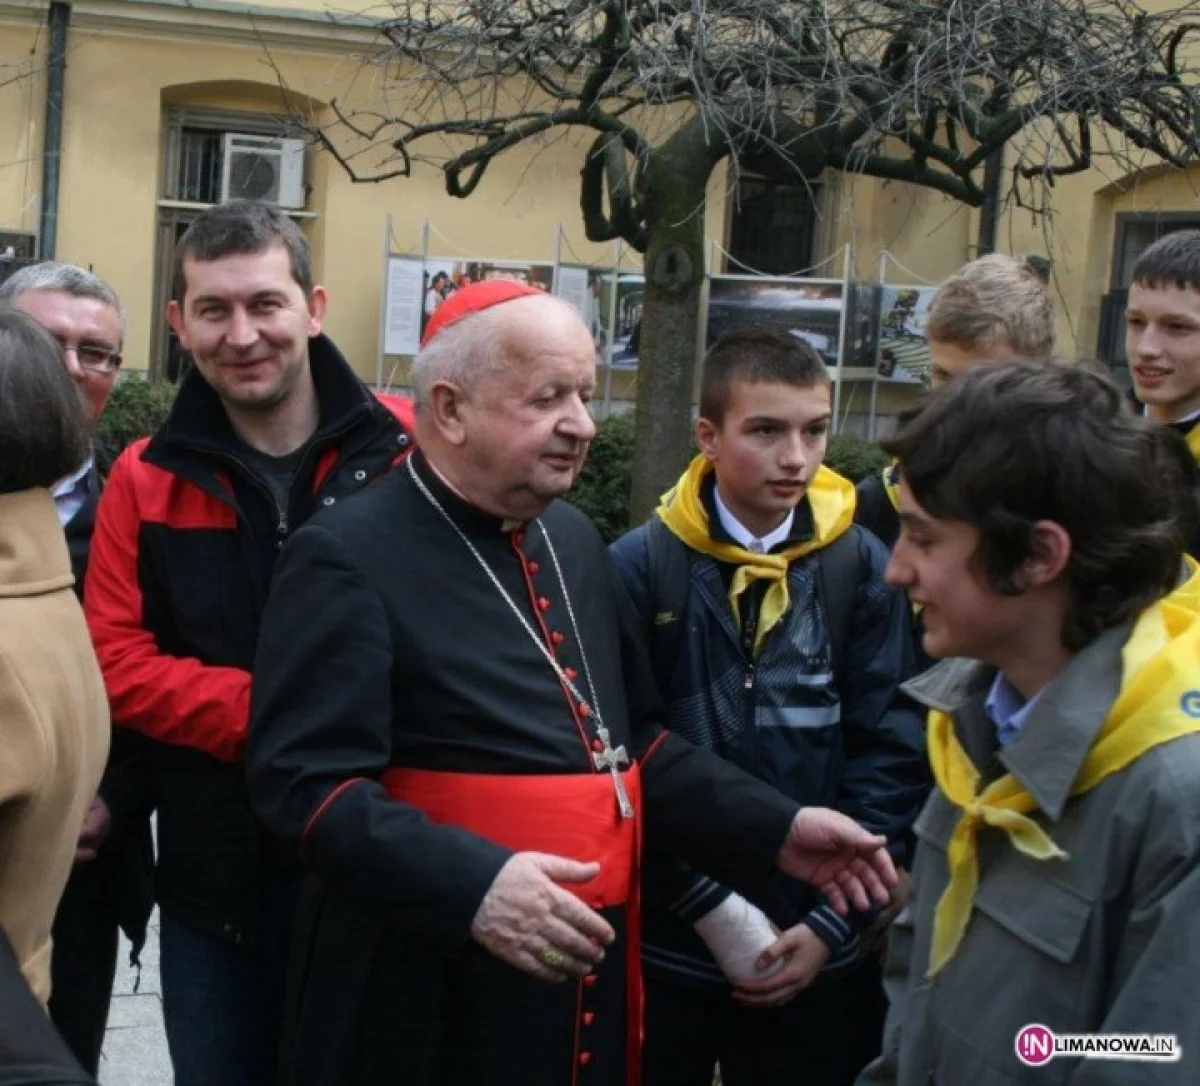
{"x": 608, "y": 759}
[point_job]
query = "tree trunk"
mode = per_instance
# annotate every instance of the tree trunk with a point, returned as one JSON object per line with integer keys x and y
{"x": 676, "y": 176}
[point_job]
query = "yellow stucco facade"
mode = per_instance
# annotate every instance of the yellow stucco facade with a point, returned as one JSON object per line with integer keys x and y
{"x": 120, "y": 77}
{"x": 129, "y": 61}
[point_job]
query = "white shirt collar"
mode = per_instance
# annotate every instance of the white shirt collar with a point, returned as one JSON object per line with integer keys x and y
{"x": 71, "y": 493}
{"x": 68, "y": 483}
{"x": 1193, "y": 417}
{"x": 745, "y": 538}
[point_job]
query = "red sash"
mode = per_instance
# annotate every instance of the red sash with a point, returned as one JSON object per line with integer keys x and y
{"x": 572, "y": 815}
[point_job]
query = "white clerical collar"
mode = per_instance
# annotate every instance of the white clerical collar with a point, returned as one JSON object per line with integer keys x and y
{"x": 742, "y": 535}
{"x": 507, "y": 525}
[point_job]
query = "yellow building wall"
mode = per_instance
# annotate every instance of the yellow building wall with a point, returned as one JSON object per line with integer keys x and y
{"x": 319, "y": 7}
{"x": 925, "y": 235}
{"x": 118, "y": 82}
{"x": 514, "y": 215}
{"x": 1080, "y": 238}
{"x": 22, "y": 107}
{"x": 116, "y": 88}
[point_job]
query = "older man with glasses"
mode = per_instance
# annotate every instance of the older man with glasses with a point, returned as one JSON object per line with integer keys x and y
{"x": 110, "y": 886}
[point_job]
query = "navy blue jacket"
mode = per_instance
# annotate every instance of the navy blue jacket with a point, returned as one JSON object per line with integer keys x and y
{"x": 851, "y": 741}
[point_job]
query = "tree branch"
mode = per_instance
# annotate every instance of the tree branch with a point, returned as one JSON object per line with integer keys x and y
{"x": 605, "y": 163}
{"x": 915, "y": 90}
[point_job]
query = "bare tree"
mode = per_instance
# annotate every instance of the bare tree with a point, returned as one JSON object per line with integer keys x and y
{"x": 904, "y": 90}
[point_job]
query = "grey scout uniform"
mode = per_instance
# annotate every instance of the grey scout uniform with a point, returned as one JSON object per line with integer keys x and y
{"x": 1105, "y": 941}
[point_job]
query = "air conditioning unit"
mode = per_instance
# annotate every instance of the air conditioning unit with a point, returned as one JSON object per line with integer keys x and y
{"x": 262, "y": 168}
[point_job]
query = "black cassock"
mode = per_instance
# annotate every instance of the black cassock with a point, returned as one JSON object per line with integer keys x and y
{"x": 385, "y": 644}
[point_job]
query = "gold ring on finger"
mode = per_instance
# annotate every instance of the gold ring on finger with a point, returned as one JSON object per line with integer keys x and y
{"x": 552, "y": 957}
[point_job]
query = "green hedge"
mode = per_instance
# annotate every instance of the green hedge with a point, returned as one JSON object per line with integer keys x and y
{"x": 854, "y": 457}
{"x": 135, "y": 409}
{"x": 602, "y": 489}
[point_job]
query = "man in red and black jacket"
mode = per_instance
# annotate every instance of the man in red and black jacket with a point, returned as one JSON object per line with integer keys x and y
{"x": 270, "y": 425}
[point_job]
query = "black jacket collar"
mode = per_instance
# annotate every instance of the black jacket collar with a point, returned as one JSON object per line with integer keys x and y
{"x": 198, "y": 420}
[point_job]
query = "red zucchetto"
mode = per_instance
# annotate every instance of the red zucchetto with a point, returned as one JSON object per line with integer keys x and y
{"x": 474, "y": 299}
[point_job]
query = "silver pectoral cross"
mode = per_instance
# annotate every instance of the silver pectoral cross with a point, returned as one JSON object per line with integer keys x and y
{"x": 611, "y": 759}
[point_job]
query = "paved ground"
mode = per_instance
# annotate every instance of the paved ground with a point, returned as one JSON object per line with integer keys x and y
{"x": 135, "y": 1049}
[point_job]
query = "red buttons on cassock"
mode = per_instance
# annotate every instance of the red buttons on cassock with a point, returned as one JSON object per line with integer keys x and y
{"x": 590, "y": 979}
{"x": 534, "y": 567}
{"x": 597, "y": 746}
{"x": 557, "y": 638}
{"x": 543, "y": 603}
{"x": 585, "y": 709}
{"x": 588, "y": 1018}
{"x": 571, "y": 673}
{"x": 585, "y": 1058}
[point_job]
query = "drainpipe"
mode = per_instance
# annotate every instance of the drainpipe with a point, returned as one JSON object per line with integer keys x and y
{"x": 989, "y": 212}
{"x": 56, "y": 69}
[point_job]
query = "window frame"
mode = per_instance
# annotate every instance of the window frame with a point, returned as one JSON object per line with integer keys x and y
{"x": 818, "y": 192}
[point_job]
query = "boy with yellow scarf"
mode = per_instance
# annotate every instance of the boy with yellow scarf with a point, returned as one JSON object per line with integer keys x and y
{"x": 785, "y": 654}
{"x": 1162, "y": 336}
{"x": 1056, "y": 883}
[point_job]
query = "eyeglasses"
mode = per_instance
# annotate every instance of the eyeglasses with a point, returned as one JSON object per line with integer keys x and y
{"x": 93, "y": 358}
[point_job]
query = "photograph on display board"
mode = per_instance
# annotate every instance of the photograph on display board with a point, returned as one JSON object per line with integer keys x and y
{"x": 625, "y": 317}
{"x": 903, "y": 347}
{"x": 443, "y": 277}
{"x": 862, "y": 325}
{"x": 585, "y": 289}
{"x": 810, "y": 309}
{"x": 437, "y": 286}
{"x": 595, "y": 313}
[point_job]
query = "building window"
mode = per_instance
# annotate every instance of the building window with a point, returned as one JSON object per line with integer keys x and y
{"x": 199, "y": 174}
{"x": 172, "y": 359}
{"x": 773, "y": 227}
{"x": 192, "y": 164}
{"x": 1135, "y": 234}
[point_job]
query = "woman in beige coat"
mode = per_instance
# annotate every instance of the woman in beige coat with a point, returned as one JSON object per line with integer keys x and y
{"x": 54, "y": 727}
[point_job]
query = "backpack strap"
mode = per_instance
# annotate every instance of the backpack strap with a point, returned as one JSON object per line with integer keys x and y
{"x": 668, "y": 575}
{"x": 839, "y": 572}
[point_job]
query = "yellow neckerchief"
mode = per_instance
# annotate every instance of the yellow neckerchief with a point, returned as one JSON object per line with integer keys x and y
{"x": 1159, "y": 700}
{"x": 682, "y": 510}
{"x": 891, "y": 483}
{"x": 1192, "y": 437}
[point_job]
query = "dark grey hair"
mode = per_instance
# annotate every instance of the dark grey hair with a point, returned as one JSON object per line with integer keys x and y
{"x": 43, "y": 429}
{"x": 68, "y": 279}
{"x": 240, "y": 228}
